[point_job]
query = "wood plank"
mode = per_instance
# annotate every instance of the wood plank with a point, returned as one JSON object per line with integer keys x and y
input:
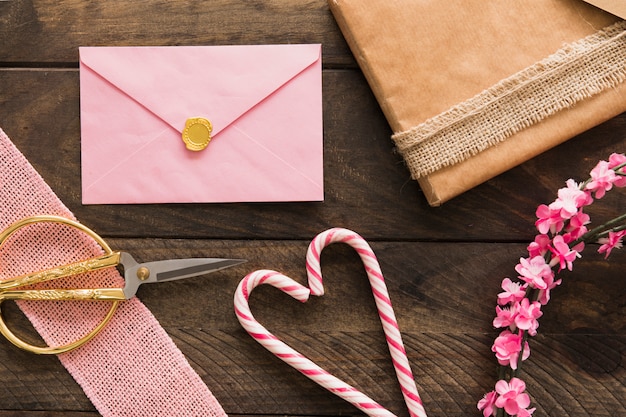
{"x": 47, "y": 32}
{"x": 33, "y": 413}
{"x": 452, "y": 372}
{"x": 367, "y": 186}
{"x": 444, "y": 298}
{"x": 65, "y": 413}
{"x": 443, "y": 266}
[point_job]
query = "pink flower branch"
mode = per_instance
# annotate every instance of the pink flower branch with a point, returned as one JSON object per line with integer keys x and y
{"x": 563, "y": 233}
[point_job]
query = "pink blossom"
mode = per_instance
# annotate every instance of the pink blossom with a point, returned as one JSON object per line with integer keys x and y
{"x": 507, "y": 347}
{"x": 504, "y": 317}
{"x": 534, "y": 271}
{"x": 539, "y": 246}
{"x": 512, "y": 396}
{"x": 563, "y": 255}
{"x": 614, "y": 240}
{"x": 548, "y": 220}
{"x": 579, "y": 247}
{"x": 544, "y": 295}
{"x": 615, "y": 160}
{"x": 525, "y": 412}
{"x": 525, "y": 315}
{"x": 569, "y": 200}
{"x": 576, "y": 227}
{"x": 513, "y": 292}
{"x": 487, "y": 404}
{"x": 602, "y": 179}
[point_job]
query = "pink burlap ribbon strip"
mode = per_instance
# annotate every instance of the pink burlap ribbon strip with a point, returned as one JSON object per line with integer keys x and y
{"x": 132, "y": 368}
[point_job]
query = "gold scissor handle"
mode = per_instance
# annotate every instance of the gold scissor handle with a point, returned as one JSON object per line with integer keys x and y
{"x": 75, "y": 268}
{"x": 8, "y": 292}
{"x": 50, "y": 350}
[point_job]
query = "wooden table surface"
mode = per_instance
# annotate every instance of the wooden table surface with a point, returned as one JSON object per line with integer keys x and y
{"x": 443, "y": 265}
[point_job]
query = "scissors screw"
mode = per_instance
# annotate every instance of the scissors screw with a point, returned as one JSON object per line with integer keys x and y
{"x": 143, "y": 273}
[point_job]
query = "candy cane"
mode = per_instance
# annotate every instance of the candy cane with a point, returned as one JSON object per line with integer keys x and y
{"x": 301, "y": 293}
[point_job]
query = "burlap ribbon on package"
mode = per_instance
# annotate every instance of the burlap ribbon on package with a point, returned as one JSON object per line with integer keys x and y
{"x": 472, "y": 88}
{"x": 132, "y": 368}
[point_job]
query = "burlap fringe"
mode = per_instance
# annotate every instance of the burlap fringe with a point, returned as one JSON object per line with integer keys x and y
{"x": 574, "y": 73}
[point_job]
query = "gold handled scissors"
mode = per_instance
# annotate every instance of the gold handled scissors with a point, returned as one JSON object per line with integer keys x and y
{"x": 135, "y": 274}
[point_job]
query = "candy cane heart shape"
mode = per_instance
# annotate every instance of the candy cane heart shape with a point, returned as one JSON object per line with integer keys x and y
{"x": 302, "y": 293}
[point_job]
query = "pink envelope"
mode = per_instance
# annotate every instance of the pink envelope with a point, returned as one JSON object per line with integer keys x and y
{"x": 264, "y": 103}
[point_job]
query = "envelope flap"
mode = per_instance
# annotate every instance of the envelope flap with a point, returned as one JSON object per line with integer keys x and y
{"x": 220, "y": 83}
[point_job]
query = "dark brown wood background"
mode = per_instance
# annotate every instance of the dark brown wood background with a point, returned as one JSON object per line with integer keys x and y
{"x": 443, "y": 265}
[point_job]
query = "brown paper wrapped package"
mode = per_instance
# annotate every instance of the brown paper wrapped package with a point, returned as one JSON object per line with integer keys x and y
{"x": 616, "y": 7}
{"x": 428, "y": 60}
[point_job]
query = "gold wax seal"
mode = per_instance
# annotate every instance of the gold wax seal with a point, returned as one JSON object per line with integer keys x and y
{"x": 197, "y": 133}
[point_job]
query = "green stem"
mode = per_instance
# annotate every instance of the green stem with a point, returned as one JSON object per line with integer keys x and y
{"x": 520, "y": 359}
{"x": 595, "y": 233}
{"x": 502, "y": 371}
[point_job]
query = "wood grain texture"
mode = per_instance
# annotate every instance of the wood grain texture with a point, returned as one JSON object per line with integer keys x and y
{"x": 443, "y": 265}
{"x": 48, "y": 32}
{"x": 39, "y": 110}
{"x": 577, "y": 358}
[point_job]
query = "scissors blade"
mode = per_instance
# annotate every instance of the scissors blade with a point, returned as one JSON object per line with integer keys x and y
{"x": 171, "y": 270}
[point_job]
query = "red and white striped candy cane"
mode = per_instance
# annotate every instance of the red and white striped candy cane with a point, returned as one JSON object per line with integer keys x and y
{"x": 301, "y": 293}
